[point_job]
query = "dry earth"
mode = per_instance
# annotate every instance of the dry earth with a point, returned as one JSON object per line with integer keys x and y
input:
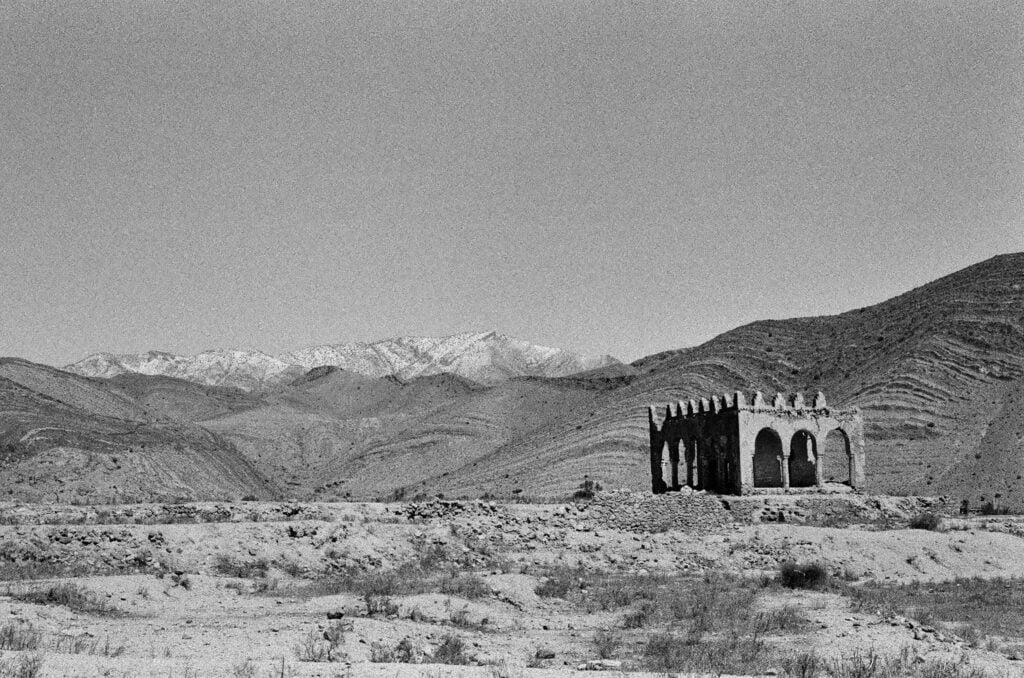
{"x": 162, "y": 596}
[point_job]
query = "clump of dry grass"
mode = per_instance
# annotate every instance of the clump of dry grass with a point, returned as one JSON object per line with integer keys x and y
{"x": 71, "y": 596}
{"x": 25, "y": 666}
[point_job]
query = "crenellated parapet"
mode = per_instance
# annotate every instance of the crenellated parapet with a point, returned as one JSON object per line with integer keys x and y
{"x": 738, "y": 401}
{"x": 742, "y": 442}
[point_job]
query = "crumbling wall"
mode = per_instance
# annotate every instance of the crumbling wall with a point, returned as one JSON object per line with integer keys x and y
{"x": 700, "y": 512}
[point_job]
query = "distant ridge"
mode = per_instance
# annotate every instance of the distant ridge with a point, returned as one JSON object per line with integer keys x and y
{"x": 483, "y": 357}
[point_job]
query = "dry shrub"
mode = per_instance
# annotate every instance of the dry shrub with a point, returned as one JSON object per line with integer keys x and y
{"x": 19, "y": 636}
{"x": 465, "y": 585}
{"x": 322, "y": 645}
{"x": 451, "y": 651}
{"x": 606, "y": 643}
{"x": 926, "y": 521}
{"x": 803, "y": 576}
{"x": 558, "y": 584}
{"x": 25, "y": 666}
{"x": 71, "y": 596}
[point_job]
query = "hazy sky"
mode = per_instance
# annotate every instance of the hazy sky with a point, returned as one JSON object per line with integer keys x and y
{"x": 615, "y": 177}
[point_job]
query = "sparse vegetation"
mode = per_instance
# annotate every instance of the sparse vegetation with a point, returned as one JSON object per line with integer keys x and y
{"x": 19, "y": 636}
{"x": 71, "y": 596}
{"x": 974, "y": 606}
{"x": 559, "y": 583}
{"x": 465, "y": 585}
{"x": 451, "y": 651}
{"x": 323, "y": 645}
{"x": 24, "y": 666}
{"x": 606, "y": 642}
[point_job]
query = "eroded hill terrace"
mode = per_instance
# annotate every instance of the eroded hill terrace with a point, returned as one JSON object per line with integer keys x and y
{"x": 630, "y": 582}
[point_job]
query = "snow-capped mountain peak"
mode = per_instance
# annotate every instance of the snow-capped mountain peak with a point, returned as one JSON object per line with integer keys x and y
{"x": 484, "y": 357}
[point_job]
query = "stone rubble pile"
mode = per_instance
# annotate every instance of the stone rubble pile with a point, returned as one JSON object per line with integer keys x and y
{"x": 633, "y": 512}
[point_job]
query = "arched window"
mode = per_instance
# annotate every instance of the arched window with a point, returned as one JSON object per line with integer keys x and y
{"x": 835, "y": 457}
{"x": 767, "y": 459}
{"x": 803, "y": 459}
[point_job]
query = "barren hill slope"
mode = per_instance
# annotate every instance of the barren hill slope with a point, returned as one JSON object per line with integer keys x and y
{"x": 71, "y": 439}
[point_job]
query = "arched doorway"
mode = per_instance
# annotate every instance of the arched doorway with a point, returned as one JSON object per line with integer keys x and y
{"x": 767, "y": 459}
{"x": 835, "y": 457}
{"x": 708, "y": 465}
{"x": 803, "y": 459}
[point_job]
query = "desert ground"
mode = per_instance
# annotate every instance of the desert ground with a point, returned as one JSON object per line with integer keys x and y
{"x": 475, "y": 588}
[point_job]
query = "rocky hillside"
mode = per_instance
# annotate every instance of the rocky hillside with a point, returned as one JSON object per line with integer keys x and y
{"x": 483, "y": 357}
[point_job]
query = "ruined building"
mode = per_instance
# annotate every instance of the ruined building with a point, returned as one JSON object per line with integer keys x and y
{"x": 727, "y": 445}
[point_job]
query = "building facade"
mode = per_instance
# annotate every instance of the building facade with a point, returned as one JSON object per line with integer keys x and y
{"x": 725, "y": 444}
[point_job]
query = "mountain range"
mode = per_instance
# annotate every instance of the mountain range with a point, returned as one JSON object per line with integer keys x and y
{"x": 938, "y": 373}
{"x": 483, "y": 357}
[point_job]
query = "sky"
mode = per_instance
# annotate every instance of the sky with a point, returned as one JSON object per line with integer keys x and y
{"x": 611, "y": 177}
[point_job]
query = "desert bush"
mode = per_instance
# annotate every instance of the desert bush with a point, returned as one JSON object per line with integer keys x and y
{"x": 641, "y": 616}
{"x": 586, "y": 491}
{"x": 803, "y": 576}
{"x": 67, "y": 595}
{"x": 926, "y": 521}
{"x": 786, "y": 618}
{"x": 322, "y": 645}
{"x": 465, "y": 585}
{"x": 452, "y": 650}
{"x": 803, "y": 665}
{"x": 377, "y": 605}
{"x": 381, "y": 653}
{"x": 85, "y": 644}
{"x": 25, "y": 666}
{"x": 292, "y": 569}
{"x": 612, "y": 592}
{"x": 606, "y": 643}
{"x": 718, "y": 602}
{"x": 405, "y": 652}
{"x": 243, "y": 569}
{"x": 559, "y": 583}
{"x": 245, "y": 669}
{"x": 19, "y": 636}
{"x": 505, "y": 669}
{"x": 460, "y": 617}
